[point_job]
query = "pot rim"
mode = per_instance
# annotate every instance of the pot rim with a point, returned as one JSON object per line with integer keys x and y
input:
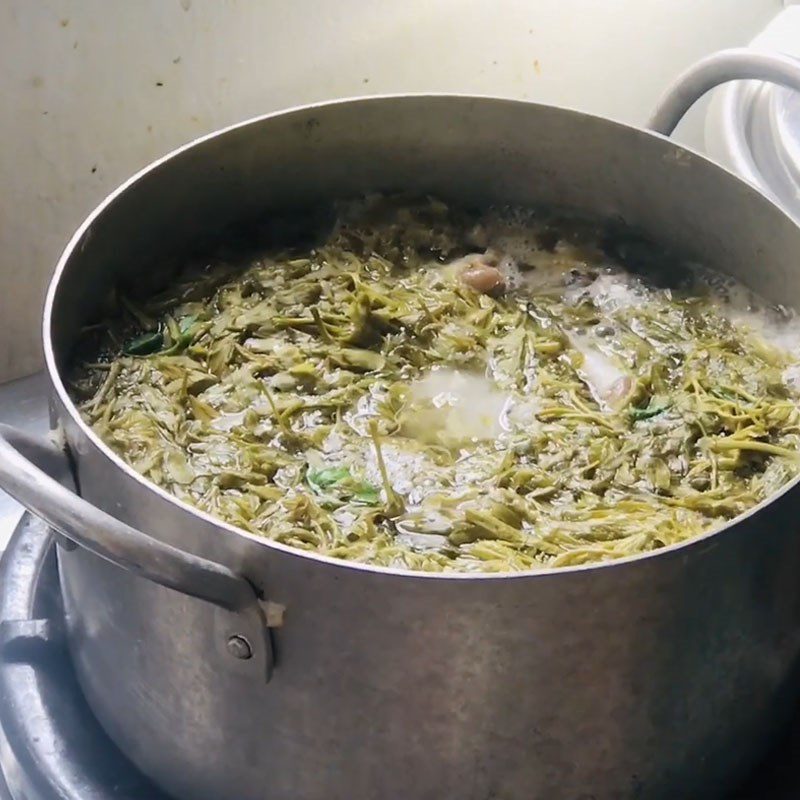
{"x": 70, "y": 408}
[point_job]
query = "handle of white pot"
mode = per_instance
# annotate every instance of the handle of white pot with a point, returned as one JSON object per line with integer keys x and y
{"x": 735, "y": 64}
{"x": 104, "y": 535}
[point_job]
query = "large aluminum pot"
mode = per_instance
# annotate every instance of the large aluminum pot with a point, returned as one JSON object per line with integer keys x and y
{"x": 228, "y": 666}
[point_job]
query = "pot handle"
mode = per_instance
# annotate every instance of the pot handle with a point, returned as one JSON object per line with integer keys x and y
{"x": 26, "y": 464}
{"x": 726, "y": 65}
{"x": 104, "y": 535}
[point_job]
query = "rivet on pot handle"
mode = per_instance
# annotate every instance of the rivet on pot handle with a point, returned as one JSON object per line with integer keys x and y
{"x": 123, "y": 545}
{"x": 721, "y": 67}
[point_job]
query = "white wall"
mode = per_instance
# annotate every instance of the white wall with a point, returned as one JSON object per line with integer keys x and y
{"x": 94, "y": 89}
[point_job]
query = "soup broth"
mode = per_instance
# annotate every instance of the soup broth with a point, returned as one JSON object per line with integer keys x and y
{"x": 435, "y": 389}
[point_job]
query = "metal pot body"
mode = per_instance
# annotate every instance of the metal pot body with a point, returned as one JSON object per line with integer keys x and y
{"x": 659, "y": 677}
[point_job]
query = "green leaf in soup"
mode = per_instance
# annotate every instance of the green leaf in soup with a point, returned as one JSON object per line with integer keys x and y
{"x": 144, "y": 345}
{"x": 339, "y": 481}
{"x": 367, "y": 493}
{"x": 652, "y": 410}
{"x": 186, "y": 324}
{"x": 182, "y": 334}
{"x": 322, "y": 479}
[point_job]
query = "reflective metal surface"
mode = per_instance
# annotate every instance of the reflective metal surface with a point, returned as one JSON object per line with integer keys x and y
{"x": 656, "y": 677}
{"x": 54, "y": 748}
{"x": 51, "y": 747}
{"x": 23, "y": 404}
{"x": 26, "y": 465}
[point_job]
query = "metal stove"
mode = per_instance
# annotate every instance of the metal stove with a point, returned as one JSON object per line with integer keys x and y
{"x": 51, "y": 746}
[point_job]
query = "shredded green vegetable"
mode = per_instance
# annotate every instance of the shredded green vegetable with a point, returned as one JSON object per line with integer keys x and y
{"x": 441, "y": 390}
